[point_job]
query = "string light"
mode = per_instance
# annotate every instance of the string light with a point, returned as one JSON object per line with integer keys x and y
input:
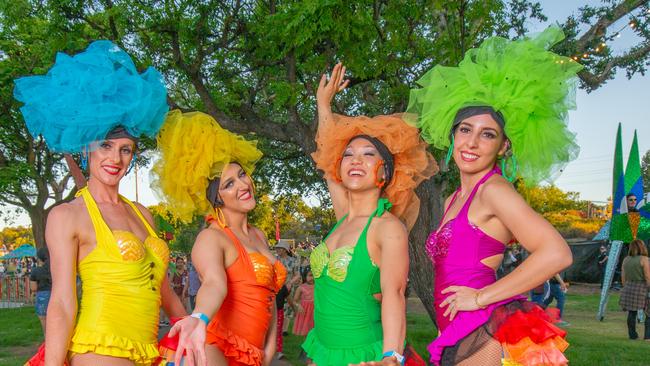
{"x": 617, "y": 34}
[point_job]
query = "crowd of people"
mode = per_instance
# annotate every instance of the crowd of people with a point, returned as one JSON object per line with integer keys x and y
{"x": 501, "y": 115}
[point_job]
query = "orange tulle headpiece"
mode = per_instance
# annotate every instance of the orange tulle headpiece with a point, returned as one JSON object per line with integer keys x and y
{"x": 413, "y": 163}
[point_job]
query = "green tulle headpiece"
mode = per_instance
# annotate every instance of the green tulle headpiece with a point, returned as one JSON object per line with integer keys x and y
{"x": 532, "y": 87}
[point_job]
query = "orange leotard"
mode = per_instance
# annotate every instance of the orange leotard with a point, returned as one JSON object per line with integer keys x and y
{"x": 239, "y": 328}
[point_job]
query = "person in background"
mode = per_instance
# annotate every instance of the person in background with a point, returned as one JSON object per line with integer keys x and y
{"x": 631, "y": 202}
{"x": 602, "y": 263}
{"x": 558, "y": 289}
{"x": 292, "y": 264}
{"x": 303, "y": 302}
{"x": 280, "y": 302}
{"x": 193, "y": 285}
{"x": 11, "y": 267}
{"x": 40, "y": 283}
{"x": 635, "y": 277}
{"x": 179, "y": 278}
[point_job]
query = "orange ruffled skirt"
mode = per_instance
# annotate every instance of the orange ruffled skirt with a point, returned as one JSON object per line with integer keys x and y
{"x": 528, "y": 336}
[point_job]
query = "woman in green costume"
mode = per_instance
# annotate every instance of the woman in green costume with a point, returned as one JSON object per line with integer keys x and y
{"x": 372, "y": 165}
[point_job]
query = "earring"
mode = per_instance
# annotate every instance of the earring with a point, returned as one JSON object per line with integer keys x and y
{"x": 379, "y": 182}
{"x": 220, "y": 217}
{"x": 132, "y": 163}
{"x": 83, "y": 161}
{"x": 510, "y": 177}
{"x": 337, "y": 174}
{"x": 450, "y": 152}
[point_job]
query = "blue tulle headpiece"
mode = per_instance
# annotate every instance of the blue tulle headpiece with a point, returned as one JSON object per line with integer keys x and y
{"x": 83, "y": 97}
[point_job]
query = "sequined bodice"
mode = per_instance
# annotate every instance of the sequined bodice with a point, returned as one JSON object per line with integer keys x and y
{"x": 267, "y": 274}
{"x": 132, "y": 249}
{"x": 437, "y": 244}
{"x": 337, "y": 263}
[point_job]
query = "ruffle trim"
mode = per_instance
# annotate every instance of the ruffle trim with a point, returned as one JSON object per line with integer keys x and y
{"x": 529, "y": 338}
{"x": 111, "y": 345}
{"x": 528, "y": 353}
{"x": 325, "y": 356}
{"x": 534, "y": 323}
{"x": 235, "y": 346}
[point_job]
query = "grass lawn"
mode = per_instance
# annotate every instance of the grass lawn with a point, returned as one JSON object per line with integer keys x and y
{"x": 20, "y": 335}
{"x": 593, "y": 343}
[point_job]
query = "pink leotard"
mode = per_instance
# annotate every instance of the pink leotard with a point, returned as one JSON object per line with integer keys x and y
{"x": 456, "y": 250}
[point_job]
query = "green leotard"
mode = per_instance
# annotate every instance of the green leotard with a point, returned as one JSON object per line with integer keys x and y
{"x": 347, "y": 318}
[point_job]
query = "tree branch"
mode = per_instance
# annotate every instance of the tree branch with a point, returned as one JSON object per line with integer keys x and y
{"x": 108, "y": 4}
{"x": 599, "y": 29}
{"x": 593, "y": 81}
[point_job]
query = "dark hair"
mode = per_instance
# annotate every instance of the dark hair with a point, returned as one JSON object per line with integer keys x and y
{"x": 467, "y": 112}
{"x": 43, "y": 254}
{"x": 637, "y": 247}
{"x": 120, "y": 132}
{"x": 631, "y": 195}
{"x": 304, "y": 274}
{"x": 212, "y": 192}
{"x": 386, "y": 156}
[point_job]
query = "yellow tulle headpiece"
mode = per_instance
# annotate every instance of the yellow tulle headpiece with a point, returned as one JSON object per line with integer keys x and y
{"x": 193, "y": 150}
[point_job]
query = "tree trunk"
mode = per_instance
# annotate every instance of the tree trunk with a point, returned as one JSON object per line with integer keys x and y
{"x": 38, "y": 216}
{"x": 421, "y": 274}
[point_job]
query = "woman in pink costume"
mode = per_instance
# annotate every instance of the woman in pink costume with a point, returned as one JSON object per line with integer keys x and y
{"x": 506, "y": 99}
{"x": 304, "y": 304}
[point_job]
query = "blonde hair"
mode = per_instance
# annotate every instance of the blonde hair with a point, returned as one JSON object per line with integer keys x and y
{"x": 637, "y": 247}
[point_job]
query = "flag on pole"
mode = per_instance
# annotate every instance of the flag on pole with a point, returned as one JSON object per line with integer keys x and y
{"x": 619, "y": 205}
{"x": 620, "y": 227}
{"x": 277, "y": 229}
{"x": 633, "y": 180}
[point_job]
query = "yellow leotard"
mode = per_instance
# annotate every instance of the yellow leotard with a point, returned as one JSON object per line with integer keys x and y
{"x": 120, "y": 302}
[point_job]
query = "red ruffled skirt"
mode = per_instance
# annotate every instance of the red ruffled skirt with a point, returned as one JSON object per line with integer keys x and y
{"x": 528, "y": 335}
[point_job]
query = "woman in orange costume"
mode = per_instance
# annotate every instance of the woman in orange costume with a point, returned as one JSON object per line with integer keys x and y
{"x": 96, "y": 103}
{"x": 205, "y": 169}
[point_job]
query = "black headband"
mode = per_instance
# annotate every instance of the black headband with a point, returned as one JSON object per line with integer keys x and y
{"x": 120, "y": 132}
{"x": 212, "y": 192}
{"x": 467, "y": 112}
{"x": 386, "y": 155}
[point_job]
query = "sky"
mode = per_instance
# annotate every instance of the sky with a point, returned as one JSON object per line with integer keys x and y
{"x": 597, "y": 116}
{"x": 595, "y": 122}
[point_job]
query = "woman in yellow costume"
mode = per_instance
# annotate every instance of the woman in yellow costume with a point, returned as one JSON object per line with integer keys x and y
{"x": 205, "y": 170}
{"x": 96, "y": 103}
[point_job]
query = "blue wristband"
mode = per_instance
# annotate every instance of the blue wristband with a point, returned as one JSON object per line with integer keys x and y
{"x": 401, "y": 359}
{"x": 201, "y": 316}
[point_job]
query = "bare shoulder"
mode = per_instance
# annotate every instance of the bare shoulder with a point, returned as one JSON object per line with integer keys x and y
{"x": 210, "y": 237}
{"x": 144, "y": 211}
{"x": 67, "y": 212}
{"x": 389, "y": 225}
{"x": 497, "y": 189}
{"x": 260, "y": 234}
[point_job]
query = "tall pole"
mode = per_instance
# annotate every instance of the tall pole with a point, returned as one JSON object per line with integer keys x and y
{"x": 136, "y": 183}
